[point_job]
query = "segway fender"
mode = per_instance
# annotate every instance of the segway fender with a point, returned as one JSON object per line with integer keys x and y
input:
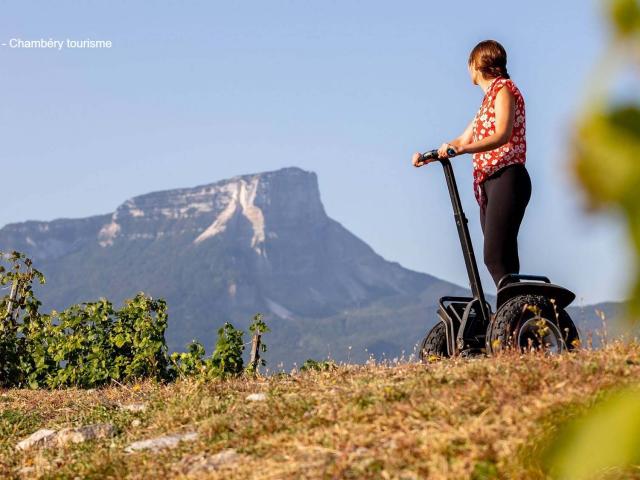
{"x": 562, "y": 296}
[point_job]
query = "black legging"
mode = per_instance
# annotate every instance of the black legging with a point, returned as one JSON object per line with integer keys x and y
{"x": 508, "y": 192}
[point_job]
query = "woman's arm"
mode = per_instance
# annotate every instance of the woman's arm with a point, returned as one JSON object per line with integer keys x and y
{"x": 505, "y": 106}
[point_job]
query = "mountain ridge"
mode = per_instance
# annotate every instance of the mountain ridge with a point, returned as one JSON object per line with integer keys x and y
{"x": 224, "y": 250}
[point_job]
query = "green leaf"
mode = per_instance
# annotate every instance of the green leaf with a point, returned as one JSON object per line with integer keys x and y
{"x": 606, "y": 160}
{"x": 607, "y": 437}
{"x": 625, "y": 16}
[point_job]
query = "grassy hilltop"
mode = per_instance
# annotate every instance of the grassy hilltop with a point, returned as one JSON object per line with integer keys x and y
{"x": 483, "y": 418}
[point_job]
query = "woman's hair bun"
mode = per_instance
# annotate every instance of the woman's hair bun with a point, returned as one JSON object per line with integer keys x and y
{"x": 490, "y": 58}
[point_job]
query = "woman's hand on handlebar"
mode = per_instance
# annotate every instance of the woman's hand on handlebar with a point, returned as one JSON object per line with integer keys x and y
{"x": 417, "y": 160}
{"x": 442, "y": 151}
{"x": 447, "y": 150}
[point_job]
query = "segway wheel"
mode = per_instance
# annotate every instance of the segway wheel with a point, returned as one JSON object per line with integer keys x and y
{"x": 528, "y": 322}
{"x": 434, "y": 345}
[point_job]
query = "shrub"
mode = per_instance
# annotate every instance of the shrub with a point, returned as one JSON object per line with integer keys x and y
{"x": 90, "y": 344}
{"x": 311, "y": 364}
{"x": 226, "y": 359}
{"x": 18, "y": 275}
{"x": 257, "y": 328}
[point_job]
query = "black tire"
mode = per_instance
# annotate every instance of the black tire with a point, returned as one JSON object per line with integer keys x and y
{"x": 506, "y": 327}
{"x": 434, "y": 344}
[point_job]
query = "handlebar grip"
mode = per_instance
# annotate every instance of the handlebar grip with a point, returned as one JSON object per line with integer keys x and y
{"x": 433, "y": 154}
{"x": 430, "y": 155}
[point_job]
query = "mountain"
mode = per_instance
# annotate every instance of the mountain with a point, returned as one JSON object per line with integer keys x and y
{"x": 224, "y": 251}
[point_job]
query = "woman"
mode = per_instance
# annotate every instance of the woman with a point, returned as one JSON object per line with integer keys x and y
{"x": 496, "y": 138}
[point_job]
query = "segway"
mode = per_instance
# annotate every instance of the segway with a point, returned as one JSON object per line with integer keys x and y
{"x": 530, "y": 310}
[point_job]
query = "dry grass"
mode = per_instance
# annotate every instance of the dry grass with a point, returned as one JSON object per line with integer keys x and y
{"x": 483, "y": 418}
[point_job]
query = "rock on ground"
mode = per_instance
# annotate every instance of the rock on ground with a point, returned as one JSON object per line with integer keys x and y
{"x": 82, "y": 434}
{"x": 42, "y": 438}
{"x": 159, "y": 443}
{"x": 48, "y": 438}
{"x": 257, "y": 397}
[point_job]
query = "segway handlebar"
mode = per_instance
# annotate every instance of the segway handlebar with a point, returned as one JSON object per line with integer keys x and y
{"x": 433, "y": 155}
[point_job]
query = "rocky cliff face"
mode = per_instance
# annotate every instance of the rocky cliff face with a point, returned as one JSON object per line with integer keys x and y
{"x": 226, "y": 250}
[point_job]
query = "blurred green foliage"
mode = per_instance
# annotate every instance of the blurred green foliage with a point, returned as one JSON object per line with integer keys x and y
{"x": 625, "y": 17}
{"x": 607, "y": 438}
{"x": 606, "y": 146}
{"x": 606, "y": 159}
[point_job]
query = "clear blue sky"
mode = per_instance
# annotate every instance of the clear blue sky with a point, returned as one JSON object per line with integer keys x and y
{"x": 193, "y": 92}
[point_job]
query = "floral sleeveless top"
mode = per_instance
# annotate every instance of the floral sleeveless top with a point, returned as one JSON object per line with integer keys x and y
{"x": 514, "y": 151}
